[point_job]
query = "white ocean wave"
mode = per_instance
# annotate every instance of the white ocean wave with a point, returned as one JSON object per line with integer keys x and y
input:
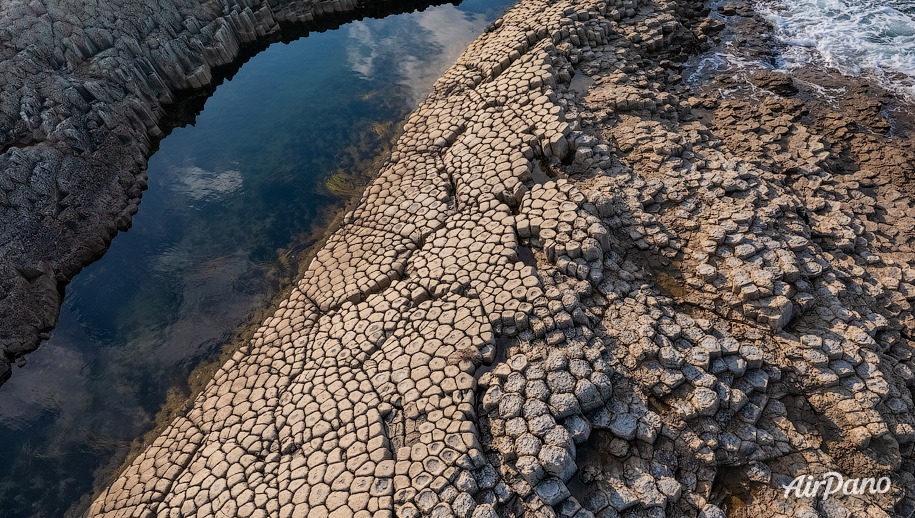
{"x": 857, "y": 37}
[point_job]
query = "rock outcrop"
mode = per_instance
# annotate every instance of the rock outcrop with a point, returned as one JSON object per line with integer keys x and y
{"x": 84, "y": 91}
{"x": 579, "y": 287}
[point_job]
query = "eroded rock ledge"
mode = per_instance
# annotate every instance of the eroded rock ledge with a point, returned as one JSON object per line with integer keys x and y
{"x": 84, "y": 90}
{"x": 708, "y": 298}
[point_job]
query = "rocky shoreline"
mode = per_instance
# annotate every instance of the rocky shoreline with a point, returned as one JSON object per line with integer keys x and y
{"x": 582, "y": 286}
{"x": 87, "y": 89}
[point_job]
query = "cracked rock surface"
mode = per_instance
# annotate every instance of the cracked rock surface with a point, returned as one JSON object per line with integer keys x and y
{"x": 84, "y": 92}
{"x": 579, "y": 288}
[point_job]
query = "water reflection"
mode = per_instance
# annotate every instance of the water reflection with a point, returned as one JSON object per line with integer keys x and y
{"x": 229, "y": 199}
{"x": 420, "y": 50}
{"x": 200, "y": 184}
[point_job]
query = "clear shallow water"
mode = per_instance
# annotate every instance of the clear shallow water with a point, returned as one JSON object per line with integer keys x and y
{"x": 858, "y": 37}
{"x": 227, "y": 197}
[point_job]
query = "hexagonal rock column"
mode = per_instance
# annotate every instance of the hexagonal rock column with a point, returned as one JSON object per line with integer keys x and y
{"x": 670, "y": 323}
{"x": 358, "y": 396}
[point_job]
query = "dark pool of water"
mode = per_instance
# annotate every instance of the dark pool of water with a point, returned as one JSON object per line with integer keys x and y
{"x": 228, "y": 198}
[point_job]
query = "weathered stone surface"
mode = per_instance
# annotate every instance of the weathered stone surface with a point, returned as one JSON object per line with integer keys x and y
{"x": 707, "y": 302}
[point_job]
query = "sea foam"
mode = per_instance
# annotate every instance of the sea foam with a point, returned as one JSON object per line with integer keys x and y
{"x": 857, "y": 37}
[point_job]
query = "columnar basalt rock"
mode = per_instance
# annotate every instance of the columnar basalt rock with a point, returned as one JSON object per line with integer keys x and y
{"x": 575, "y": 289}
{"x": 84, "y": 91}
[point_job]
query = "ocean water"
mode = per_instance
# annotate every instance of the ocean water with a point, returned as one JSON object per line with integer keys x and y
{"x": 857, "y": 37}
{"x": 231, "y": 196}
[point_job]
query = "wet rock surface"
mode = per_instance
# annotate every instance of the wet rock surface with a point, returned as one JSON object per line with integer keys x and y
{"x": 86, "y": 90}
{"x": 580, "y": 287}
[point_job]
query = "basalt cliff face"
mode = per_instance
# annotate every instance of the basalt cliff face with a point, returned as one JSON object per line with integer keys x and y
{"x": 86, "y": 89}
{"x": 583, "y": 287}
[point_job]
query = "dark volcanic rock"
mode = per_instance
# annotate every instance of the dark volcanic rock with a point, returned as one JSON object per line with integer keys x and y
{"x": 84, "y": 88}
{"x": 776, "y": 82}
